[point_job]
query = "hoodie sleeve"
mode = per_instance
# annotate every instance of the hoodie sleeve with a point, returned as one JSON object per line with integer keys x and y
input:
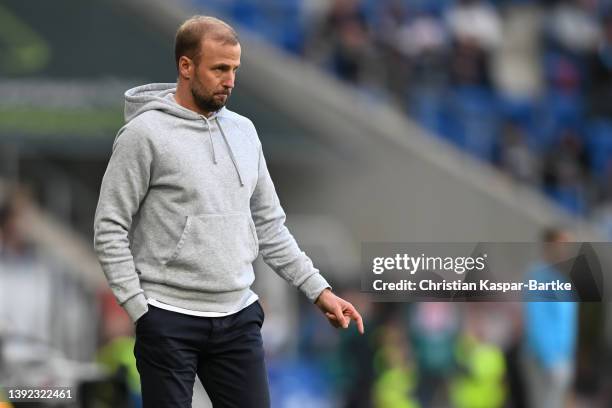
{"x": 276, "y": 244}
{"x": 124, "y": 185}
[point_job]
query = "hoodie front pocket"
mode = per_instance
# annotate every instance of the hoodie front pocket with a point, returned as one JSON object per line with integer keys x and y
{"x": 215, "y": 245}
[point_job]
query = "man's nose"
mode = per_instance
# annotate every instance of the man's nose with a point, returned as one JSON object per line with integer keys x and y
{"x": 228, "y": 81}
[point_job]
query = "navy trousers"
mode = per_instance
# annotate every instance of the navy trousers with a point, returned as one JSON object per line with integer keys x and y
{"x": 226, "y": 353}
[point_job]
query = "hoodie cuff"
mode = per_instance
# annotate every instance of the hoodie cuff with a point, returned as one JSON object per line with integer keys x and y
{"x": 136, "y": 306}
{"x": 313, "y": 286}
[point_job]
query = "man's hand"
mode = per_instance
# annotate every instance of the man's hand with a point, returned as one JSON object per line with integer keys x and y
{"x": 338, "y": 311}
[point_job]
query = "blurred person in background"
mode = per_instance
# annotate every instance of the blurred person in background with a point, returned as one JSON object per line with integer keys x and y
{"x": 26, "y": 284}
{"x": 479, "y": 382}
{"x": 476, "y": 30}
{"x": 599, "y": 70}
{"x": 117, "y": 351}
{"x": 188, "y": 172}
{"x": 434, "y": 330}
{"x": 396, "y": 378}
{"x": 414, "y": 44}
{"x": 515, "y": 158}
{"x": 477, "y": 21}
{"x": 488, "y": 330}
{"x": 572, "y": 27}
{"x": 13, "y": 210}
{"x": 355, "y": 354}
{"x": 564, "y": 172}
{"x": 550, "y": 330}
{"x": 342, "y": 40}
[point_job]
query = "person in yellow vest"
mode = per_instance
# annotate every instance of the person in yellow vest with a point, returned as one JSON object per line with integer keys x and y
{"x": 480, "y": 383}
{"x": 395, "y": 382}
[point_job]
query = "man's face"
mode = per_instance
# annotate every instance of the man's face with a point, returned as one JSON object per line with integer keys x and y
{"x": 559, "y": 250}
{"x": 214, "y": 74}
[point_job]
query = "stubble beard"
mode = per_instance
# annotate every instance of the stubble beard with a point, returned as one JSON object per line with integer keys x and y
{"x": 206, "y": 101}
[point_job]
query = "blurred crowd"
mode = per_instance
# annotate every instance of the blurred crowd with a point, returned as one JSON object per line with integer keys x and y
{"x": 57, "y": 329}
{"x": 523, "y": 84}
{"x": 461, "y": 355}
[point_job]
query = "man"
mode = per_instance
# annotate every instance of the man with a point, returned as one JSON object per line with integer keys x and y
{"x": 550, "y": 328}
{"x": 186, "y": 205}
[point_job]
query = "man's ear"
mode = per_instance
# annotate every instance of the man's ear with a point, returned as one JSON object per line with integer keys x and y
{"x": 185, "y": 67}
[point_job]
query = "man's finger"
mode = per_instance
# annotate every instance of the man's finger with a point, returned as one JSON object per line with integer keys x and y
{"x": 332, "y": 319}
{"x": 357, "y": 317}
{"x": 340, "y": 316}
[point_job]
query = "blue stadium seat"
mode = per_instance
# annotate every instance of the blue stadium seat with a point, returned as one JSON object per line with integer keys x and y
{"x": 523, "y": 112}
{"x": 570, "y": 198}
{"x": 559, "y": 110}
{"x": 475, "y": 110}
{"x": 599, "y": 145}
{"x": 426, "y": 106}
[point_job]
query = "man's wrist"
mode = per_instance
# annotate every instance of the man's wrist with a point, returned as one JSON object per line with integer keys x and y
{"x": 327, "y": 289}
{"x": 136, "y": 306}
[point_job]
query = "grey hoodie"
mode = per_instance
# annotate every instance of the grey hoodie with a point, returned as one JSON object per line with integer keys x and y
{"x": 186, "y": 205}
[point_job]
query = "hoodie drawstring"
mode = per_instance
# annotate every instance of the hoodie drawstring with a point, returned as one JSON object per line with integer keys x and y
{"x": 212, "y": 145}
{"x": 231, "y": 153}
{"x": 229, "y": 148}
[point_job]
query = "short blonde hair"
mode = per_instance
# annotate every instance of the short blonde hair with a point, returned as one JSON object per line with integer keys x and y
{"x": 194, "y": 30}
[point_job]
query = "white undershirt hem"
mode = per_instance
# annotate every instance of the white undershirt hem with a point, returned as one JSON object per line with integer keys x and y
{"x": 252, "y": 299}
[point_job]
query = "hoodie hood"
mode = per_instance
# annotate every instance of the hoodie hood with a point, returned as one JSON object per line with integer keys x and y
{"x": 158, "y": 97}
